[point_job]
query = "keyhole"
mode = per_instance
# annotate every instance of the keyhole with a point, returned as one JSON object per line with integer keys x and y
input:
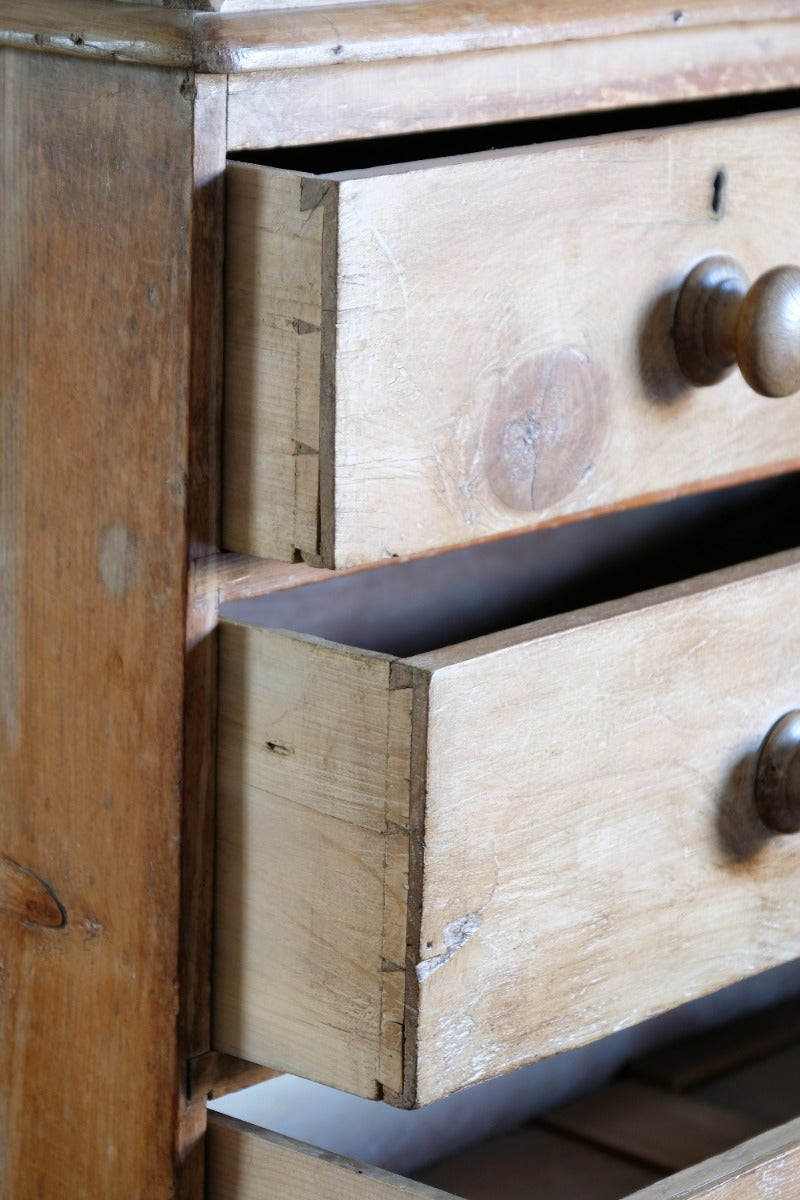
{"x": 718, "y": 193}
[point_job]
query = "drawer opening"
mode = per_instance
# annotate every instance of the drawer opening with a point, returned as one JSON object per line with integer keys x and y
{"x": 372, "y": 153}
{"x": 412, "y": 607}
{"x": 622, "y": 1115}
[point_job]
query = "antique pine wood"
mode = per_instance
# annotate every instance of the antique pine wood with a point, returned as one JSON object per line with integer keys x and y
{"x": 111, "y": 292}
{"x": 251, "y": 1164}
{"x": 96, "y": 295}
{"x": 547, "y": 908}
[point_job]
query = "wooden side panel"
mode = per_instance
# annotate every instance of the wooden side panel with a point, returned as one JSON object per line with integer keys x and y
{"x": 313, "y": 772}
{"x": 245, "y": 1163}
{"x": 492, "y": 389}
{"x": 95, "y": 194}
{"x": 272, "y": 374}
{"x": 592, "y": 852}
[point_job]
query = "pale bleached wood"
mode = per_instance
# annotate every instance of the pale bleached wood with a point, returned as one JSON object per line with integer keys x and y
{"x": 97, "y": 29}
{"x": 252, "y": 1164}
{"x": 431, "y": 447}
{"x": 666, "y": 1130}
{"x": 768, "y": 1088}
{"x": 591, "y": 851}
{"x": 246, "y": 1163}
{"x": 304, "y": 37}
{"x": 312, "y": 776}
{"x": 272, "y": 374}
{"x": 319, "y": 104}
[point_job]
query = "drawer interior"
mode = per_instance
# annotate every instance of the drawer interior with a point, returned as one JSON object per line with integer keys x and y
{"x": 665, "y": 1111}
{"x": 388, "y": 394}
{"x": 411, "y": 607}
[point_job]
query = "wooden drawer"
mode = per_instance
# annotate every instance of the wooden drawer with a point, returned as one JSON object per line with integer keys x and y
{"x": 432, "y": 869}
{"x": 250, "y": 1164}
{"x": 424, "y": 355}
{"x": 715, "y": 1115}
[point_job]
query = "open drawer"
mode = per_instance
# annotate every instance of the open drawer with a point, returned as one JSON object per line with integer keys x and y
{"x": 424, "y": 354}
{"x": 713, "y": 1116}
{"x": 434, "y": 867}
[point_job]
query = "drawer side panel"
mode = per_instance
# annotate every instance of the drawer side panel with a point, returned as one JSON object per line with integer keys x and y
{"x": 272, "y": 365}
{"x": 312, "y": 854}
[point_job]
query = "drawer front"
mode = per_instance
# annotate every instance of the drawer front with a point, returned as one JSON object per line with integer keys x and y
{"x": 433, "y": 870}
{"x": 422, "y": 356}
{"x": 249, "y": 1164}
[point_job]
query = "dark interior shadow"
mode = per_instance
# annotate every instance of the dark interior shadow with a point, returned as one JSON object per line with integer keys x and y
{"x": 740, "y": 831}
{"x": 661, "y": 377}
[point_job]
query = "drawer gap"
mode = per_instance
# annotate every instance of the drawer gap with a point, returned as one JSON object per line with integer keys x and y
{"x": 371, "y": 153}
{"x": 412, "y": 607}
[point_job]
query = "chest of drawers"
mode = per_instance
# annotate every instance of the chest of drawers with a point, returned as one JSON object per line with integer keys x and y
{"x": 290, "y": 292}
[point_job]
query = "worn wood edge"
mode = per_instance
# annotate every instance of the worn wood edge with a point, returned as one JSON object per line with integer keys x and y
{"x": 698, "y": 1059}
{"x": 610, "y": 610}
{"x": 766, "y": 1165}
{"x": 329, "y": 198}
{"x": 95, "y": 29}
{"x": 246, "y": 1151}
{"x": 402, "y": 677}
{"x": 358, "y": 1045}
{"x": 398, "y": 900}
{"x": 659, "y": 1128}
{"x": 308, "y": 37}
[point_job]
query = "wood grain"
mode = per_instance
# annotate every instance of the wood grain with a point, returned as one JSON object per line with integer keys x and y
{"x": 310, "y": 846}
{"x": 95, "y": 291}
{"x": 589, "y": 853}
{"x": 273, "y": 352}
{"x": 587, "y": 785}
{"x": 251, "y": 1164}
{"x": 765, "y": 1166}
{"x": 245, "y": 1163}
{"x": 564, "y": 404}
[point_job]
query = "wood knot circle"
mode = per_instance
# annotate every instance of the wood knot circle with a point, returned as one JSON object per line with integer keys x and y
{"x": 546, "y": 424}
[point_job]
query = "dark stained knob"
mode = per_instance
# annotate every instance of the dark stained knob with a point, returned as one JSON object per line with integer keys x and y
{"x": 777, "y": 784}
{"x": 721, "y": 321}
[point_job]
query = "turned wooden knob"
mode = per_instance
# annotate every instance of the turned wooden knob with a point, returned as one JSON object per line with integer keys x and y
{"x": 721, "y": 321}
{"x": 777, "y": 785}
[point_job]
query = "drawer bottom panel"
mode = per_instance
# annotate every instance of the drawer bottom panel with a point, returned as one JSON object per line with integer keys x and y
{"x": 695, "y": 1119}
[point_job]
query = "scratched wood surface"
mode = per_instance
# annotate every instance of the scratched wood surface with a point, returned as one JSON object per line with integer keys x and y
{"x": 96, "y": 195}
{"x": 461, "y": 396}
{"x": 583, "y": 851}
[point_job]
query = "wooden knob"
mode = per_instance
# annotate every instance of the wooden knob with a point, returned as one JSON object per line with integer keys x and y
{"x": 721, "y": 321}
{"x": 777, "y": 785}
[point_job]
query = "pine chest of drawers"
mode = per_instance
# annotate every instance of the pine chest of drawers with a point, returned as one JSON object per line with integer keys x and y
{"x": 403, "y": 312}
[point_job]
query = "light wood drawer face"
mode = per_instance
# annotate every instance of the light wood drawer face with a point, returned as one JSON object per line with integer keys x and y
{"x": 712, "y": 1115}
{"x": 422, "y": 356}
{"x": 250, "y": 1164}
{"x": 433, "y": 870}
